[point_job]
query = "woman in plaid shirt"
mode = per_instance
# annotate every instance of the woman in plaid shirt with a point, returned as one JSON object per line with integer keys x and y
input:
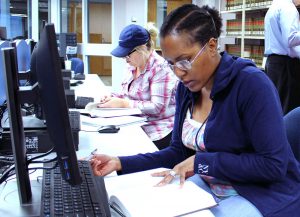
{"x": 147, "y": 85}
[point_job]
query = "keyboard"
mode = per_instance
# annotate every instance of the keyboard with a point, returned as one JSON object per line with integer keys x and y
{"x": 82, "y": 101}
{"x": 61, "y": 199}
{"x": 79, "y": 76}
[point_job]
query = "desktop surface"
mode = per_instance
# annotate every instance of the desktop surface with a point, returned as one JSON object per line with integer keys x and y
{"x": 129, "y": 140}
{"x": 10, "y": 204}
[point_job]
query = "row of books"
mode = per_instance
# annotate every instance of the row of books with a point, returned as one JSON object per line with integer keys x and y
{"x": 253, "y": 27}
{"x": 238, "y": 4}
{"x": 253, "y": 52}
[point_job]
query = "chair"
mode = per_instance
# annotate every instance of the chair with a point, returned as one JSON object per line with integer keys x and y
{"x": 23, "y": 55}
{"x": 77, "y": 65}
{"x": 3, "y": 44}
{"x": 292, "y": 125}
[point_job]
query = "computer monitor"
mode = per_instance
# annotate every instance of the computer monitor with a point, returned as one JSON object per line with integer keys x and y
{"x": 16, "y": 124}
{"x": 3, "y": 44}
{"x": 53, "y": 100}
{"x": 46, "y": 64}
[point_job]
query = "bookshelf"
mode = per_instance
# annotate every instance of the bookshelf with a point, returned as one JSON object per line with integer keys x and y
{"x": 243, "y": 28}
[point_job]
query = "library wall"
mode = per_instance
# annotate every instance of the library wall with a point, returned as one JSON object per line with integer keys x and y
{"x": 245, "y": 27}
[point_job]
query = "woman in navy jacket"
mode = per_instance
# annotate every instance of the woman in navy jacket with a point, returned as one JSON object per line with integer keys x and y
{"x": 228, "y": 130}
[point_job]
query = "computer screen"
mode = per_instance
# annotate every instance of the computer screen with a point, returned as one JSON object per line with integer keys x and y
{"x": 46, "y": 64}
{"x": 53, "y": 101}
{"x": 3, "y": 44}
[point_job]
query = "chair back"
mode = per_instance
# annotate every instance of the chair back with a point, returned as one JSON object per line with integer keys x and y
{"x": 77, "y": 65}
{"x": 3, "y": 44}
{"x": 292, "y": 125}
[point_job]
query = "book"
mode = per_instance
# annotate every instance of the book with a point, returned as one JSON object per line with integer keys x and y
{"x": 135, "y": 195}
{"x": 93, "y": 111}
{"x": 93, "y": 124}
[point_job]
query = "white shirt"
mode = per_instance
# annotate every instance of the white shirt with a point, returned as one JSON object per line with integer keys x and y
{"x": 282, "y": 31}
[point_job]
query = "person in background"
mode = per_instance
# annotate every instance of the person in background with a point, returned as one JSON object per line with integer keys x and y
{"x": 282, "y": 48}
{"x": 147, "y": 85}
{"x": 228, "y": 135}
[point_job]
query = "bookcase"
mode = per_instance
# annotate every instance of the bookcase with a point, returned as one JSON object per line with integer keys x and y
{"x": 243, "y": 28}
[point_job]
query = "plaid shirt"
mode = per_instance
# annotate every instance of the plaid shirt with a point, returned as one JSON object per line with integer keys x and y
{"x": 153, "y": 92}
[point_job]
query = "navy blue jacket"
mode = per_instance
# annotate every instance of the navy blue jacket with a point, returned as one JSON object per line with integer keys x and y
{"x": 244, "y": 137}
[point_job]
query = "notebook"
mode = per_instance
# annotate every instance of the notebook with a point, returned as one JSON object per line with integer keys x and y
{"x": 135, "y": 195}
{"x": 93, "y": 111}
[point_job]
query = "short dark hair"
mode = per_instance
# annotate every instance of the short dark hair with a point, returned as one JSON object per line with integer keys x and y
{"x": 200, "y": 23}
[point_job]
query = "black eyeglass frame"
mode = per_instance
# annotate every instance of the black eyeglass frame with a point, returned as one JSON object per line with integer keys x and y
{"x": 128, "y": 55}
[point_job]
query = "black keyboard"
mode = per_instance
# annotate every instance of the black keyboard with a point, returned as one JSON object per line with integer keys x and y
{"x": 82, "y": 101}
{"x": 59, "y": 198}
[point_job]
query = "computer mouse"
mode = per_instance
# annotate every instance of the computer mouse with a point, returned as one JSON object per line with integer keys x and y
{"x": 75, "y": 83}
{"x": 109, "y": 129}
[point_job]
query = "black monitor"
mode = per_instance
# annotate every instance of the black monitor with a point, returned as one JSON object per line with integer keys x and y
{"x": 53, "y": 100}
{"x": 46, "y": 64}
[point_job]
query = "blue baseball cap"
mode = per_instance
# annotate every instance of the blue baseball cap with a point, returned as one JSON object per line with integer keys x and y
{"x": 130, "y": 37}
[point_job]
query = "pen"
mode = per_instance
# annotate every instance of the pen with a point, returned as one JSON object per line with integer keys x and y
{"x": 91, "y": 155}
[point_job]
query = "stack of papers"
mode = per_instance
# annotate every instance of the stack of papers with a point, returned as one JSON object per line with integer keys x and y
{"x": 93, "y": 111}
{"x": 113, "y": 112}
{"x": 93, "y": 124}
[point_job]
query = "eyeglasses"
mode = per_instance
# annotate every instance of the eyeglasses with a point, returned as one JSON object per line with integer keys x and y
{"x": 185, "y": 64}
{"x": 128, "y": 55}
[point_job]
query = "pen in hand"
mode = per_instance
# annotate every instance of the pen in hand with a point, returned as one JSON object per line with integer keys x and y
{"x": 88, "y": 158}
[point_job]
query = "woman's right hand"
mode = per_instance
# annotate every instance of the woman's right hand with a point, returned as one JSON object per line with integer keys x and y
{"x": 105, "y": 99}
{"x": 104, "y": 164}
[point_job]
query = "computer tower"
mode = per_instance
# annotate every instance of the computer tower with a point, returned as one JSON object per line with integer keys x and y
{"x": 37, "y": 139}
{"x": 64, "y": 41}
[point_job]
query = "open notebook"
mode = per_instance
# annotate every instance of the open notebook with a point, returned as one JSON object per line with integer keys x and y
{"x": 135, "y": 195}
{"x": 94, "y": 111}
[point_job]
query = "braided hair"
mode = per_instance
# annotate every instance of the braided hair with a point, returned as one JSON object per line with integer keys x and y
{"x": 200, "y": 23}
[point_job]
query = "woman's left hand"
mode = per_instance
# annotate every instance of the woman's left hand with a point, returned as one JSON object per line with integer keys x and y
{"x": 184, "y": 169}
{"x": 114, "y": 102}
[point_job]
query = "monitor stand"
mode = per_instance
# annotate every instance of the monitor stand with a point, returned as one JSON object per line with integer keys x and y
{"x": 10, "y": 204}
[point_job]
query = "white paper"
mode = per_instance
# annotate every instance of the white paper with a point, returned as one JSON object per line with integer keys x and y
{"x": 136, "y": 195}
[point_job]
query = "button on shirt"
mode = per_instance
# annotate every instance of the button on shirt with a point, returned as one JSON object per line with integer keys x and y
{"x": 153, "y": 92}
{"x": 283, "y": 39}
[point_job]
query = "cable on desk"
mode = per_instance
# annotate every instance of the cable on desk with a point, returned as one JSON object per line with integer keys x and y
{"x": 44, "y": 161}
{"x": 7, "y": 174}
{"x": 9, "y": 159}
{"x": 6, "y": 161}
{"x": 44, "y": 168}
{"x": 39, "y": 156}
{"x": 117, "y": 210}
{"x": 7, "y": 180}
{"x": 90, "y": 131}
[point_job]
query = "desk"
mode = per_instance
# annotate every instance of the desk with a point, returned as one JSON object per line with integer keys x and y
{"x": 129, "y": 140}
{"x": 92, "y": 86}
